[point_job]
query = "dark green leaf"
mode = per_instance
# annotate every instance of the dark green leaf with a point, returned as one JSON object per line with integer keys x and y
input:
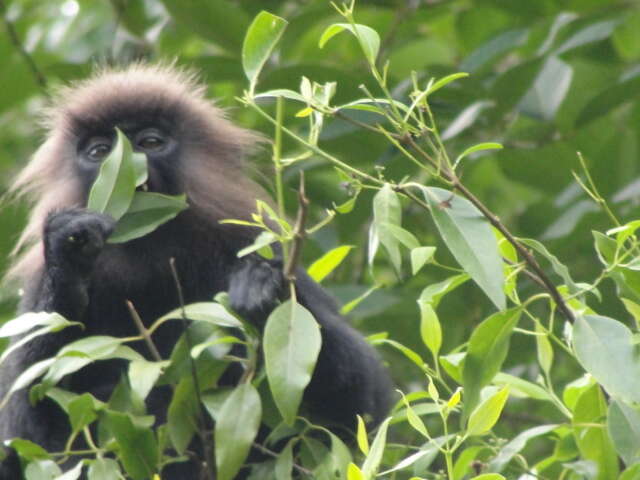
{"x": 137, "y": 450}
{"x": 470, "y": 238}
{"x": 487, "y": 350}
{"x": 147, "y": 212}
{"x": 260, "y": 40}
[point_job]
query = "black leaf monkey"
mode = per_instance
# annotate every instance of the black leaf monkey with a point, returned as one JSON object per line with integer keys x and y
{"x": 66, "y": 265}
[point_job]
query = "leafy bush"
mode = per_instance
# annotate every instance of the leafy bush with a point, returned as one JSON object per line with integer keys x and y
{"x": 507, "y": 366}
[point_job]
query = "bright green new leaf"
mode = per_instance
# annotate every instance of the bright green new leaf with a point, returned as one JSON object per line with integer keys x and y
{"x": 438, "y": 84}
{"x": 487, "y": 351}
{"x": 367, "y": 36}
{"x": 354, "y": 473}
{"x": 235, "y": 430}
{"x": 470, "y": 238}
{"x": 433, "y": 293}
{"x": 485, "y": 416}
{"x": 420, "y": 256}
{"x": 113, "y": 190}
{"x": 478, "y": 148}
{"x": 607, "y": 350}
{"x": 412, "y": 417}
{"x": 291, "y": 345}
{"x": 430, "y": 329}
{"x": 328, "y": 262}
{"x": 260, "y": 40}
{"x": 372, "y": 462}
{"x": 489, "y": 476}
{"x": 361, "y": 436}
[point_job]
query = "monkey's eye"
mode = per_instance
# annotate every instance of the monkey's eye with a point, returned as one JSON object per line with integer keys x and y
{"x": 98, "y": 149}
{"x": 150, "y": 141}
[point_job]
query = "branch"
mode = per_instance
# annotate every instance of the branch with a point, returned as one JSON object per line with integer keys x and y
{"x": 40, "y": 79}
{"x": 298, "y": 232}
{"x": 143, "y": 331}
{"x": 495, "y": 221}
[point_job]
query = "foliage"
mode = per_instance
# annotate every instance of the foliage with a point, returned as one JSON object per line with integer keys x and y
{"x": 439, "y": 143}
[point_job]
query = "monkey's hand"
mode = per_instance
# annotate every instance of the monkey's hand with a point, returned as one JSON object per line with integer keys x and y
{"x": 73, "y": 238}
{"x": 256, "y": 286}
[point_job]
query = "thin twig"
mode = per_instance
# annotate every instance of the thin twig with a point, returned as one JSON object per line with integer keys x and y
{"x": 41, "y": 80}
{"x": 202, "y": 433}
{"x": 298, "y": 233}
{"x": 495, "y": 221}
{"x": 144, "y": 332}
{"x": 273, "y": 454}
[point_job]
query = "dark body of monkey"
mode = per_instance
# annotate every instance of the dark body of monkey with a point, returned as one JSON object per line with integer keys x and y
{"x": 68, "y": 267}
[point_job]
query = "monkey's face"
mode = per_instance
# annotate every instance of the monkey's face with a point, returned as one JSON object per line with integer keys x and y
{"x": 151, "y": 138}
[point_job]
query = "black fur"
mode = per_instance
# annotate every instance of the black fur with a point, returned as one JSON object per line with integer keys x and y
{"x": 88, "y": 280}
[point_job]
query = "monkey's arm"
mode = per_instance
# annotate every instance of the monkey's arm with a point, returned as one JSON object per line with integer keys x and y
{"x": 349, "y": 378}
{"x": 72, "y": 241}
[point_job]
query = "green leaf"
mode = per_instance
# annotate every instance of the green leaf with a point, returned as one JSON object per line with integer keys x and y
{"x": 372, "y": 462}
{"x": 438, "y": 84}
{"x": 544, "y": 349}
{"x": 387, "y": 211}
{"x": 471, "y": 240}
{"x": 487, "y": 351}
{"x": 284, "y": 463}
{"x": 361, "y": 436}
{"x": 479, "y": 148}
{"x": 114, "y": 188}
{"x": 82, "y": 411}
{"x": 430, "y": 329}
{"x": 220, "y": 21}
{"x": 515, "y": 446}
{"x": 405, "y": 237}
{"x": 413, "y": 419}
{"x": 623, "y": 424}
{"x": 104, "y": 469}
{"x": 354, "y": 473}
{"x": 485, "y": 416}
{"x": 143, "y": 376}
{"x": 367, "y": 36}
{"x": 557, "y": 266}
{"x": 209, "y": 312}
{"x": 591, "y": 438}
{"x": 607, "y": 350}
{"x": 72, "y": 474}
{"x": 262, "y": 241}
{"x": 42, "y": 470}
{"x": 137, "y": 450}
{"x": 182, "y": 416}
{"x": 291, "y": 346}
{"x": 235, "y": 430}
{"x": 434, "y": 293}
{"x": 489, "y": 476}
{"x": 328, "y": 262}
{"x": 28, "y": 450}
{"x": 260, "y": 40}
{"x": 420, "y": 256}
{"x": 147, "y": 212}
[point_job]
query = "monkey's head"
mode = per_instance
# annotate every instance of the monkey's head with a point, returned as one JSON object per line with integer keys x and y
{"x": 190, "y": 147}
